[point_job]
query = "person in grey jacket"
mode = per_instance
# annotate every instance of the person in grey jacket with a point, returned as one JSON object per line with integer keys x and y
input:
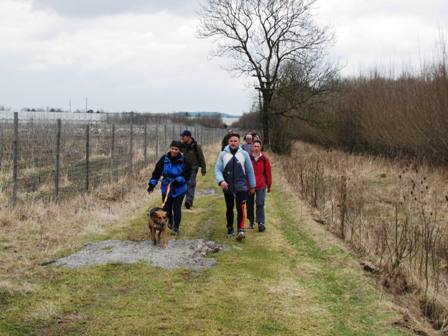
{"x": 249, "y": 142}
{"x": 235, "y": 175}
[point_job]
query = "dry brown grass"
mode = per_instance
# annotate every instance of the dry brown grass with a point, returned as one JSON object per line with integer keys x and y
{"x": 392, "y": 212}
{"x": 37, "y": 231}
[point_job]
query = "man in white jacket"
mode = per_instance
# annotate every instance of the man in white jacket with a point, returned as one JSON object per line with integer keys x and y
{"x": 234, "y": 173}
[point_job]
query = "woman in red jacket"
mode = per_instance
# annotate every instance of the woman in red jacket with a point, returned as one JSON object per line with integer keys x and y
{"x": 263, "y": 177}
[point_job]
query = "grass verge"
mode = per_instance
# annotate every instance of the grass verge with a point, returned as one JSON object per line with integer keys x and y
{"x": 281, "y": 282}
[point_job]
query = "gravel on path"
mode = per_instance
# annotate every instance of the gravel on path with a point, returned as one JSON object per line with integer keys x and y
{"x": 189, "y": 254}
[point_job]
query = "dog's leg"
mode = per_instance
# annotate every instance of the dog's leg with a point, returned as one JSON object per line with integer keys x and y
{"x": 160, "y": 233}
{"x": 153, "y": 235}
{"x": 164, "y": 237}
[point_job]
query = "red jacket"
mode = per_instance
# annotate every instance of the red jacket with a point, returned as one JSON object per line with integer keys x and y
{"x": 262, "y": 170}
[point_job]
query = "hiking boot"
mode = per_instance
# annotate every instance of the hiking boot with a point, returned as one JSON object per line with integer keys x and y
{"x": 240, "y": 236}
{"x": 251, "y": 225}
{"x": 261, "y": 227}
{"x": 174, "y": 232}
{"x": 230, "y": 231}
{"x": 188, "y": 205}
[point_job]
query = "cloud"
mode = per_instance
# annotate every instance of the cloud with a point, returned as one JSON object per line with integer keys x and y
{"x": 144, "y": 62}
{"x": 144, "y": 55}
{"x": 389, "y": 35}
{"x": 90, "y": 8}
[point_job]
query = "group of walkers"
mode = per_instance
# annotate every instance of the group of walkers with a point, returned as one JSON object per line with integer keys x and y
{"x": 243, "y": 172}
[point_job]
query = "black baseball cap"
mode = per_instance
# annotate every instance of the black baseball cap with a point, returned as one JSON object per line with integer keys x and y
{"x": 186, "y": 133}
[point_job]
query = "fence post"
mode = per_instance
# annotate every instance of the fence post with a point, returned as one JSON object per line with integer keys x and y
{"x": 87, "y": 155}
{"x": 112, "y": 150}
{"x": 15, "y": 154}
{"x": 157, "y": 142}
{"x": 165, "y": 144}
{"x": 145, "y": 144}
{"x": 57, "y": 152}
{"x": 1, "y": 147}
{"x": 131, "y": 143}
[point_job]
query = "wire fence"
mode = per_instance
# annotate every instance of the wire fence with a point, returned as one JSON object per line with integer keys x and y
{"x": 50, "y": 159}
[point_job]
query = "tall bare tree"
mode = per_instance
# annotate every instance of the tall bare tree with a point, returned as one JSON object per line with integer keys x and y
{"x": 261, "y": 36}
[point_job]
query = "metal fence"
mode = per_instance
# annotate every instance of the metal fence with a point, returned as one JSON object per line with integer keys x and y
{"x": 49, "y": 159}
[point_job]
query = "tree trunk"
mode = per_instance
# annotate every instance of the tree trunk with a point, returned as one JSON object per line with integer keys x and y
{"x": 266, "y": 115}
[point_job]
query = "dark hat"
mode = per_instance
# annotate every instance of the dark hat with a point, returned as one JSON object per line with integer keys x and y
{"x": 177, "y": 144}
{"x": 186, "y": 133}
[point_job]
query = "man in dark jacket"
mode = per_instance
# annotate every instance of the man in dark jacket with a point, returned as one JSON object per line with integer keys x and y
{"x": 193, "y": 153}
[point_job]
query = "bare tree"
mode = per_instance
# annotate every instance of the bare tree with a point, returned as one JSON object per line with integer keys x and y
{"x": 303, "y": 88}
{"x": 262, "y": 35}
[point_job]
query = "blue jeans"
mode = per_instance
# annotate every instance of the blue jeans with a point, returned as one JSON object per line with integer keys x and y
{"x": 257, "y": 199}
{"x": 174, "y": 208}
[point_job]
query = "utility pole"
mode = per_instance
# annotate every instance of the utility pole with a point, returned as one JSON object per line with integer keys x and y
{"x": 70, "y": 104}
{"x": 87, "y": 101}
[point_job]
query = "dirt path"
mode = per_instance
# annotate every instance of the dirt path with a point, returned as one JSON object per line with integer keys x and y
{"x": 290, "y": 280}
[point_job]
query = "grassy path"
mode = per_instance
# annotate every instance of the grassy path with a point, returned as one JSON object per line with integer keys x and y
{"x": 281, "y": 282}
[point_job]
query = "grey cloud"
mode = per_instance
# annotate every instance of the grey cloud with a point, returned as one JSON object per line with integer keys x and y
{"x": 89, "y": 8}
{"x": 432, "y": 12}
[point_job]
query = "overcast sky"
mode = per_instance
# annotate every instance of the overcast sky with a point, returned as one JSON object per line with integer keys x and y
{"x": 143, "y": 55}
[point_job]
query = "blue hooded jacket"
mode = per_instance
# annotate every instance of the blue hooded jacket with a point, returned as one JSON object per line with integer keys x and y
{"x": 176, "y": 171}
{"x": 236, "y": 169}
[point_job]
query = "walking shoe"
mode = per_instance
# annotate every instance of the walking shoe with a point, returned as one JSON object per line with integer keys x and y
{"x": 251, "y": 225}
{"x": 187, "y": 205}
{"x": 261, "y": 227}
{"x": 230, "y": 232}
{"x": 174, "y": 232}
{"x": 240, "y": 236}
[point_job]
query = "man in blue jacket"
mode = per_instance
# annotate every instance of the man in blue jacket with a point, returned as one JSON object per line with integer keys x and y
{"x": 235, "y": 175}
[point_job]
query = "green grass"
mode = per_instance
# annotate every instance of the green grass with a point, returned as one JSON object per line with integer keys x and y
{"x": 281, "y": 282}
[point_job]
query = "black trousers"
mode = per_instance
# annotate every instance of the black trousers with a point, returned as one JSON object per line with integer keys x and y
{"x": 174, "y": 208}
{"x": 238, "y": 200}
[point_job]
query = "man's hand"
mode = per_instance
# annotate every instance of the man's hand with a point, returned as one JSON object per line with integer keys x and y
{"x": 150, "y": 188}
{"x": 269, "y": 189}
{"x": 252, "y": 191}
{"x": 224, "y": 186}
{"x": 203, "y": 172}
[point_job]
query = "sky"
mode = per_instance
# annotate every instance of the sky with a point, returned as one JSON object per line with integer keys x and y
{"x": 144, "y": 55}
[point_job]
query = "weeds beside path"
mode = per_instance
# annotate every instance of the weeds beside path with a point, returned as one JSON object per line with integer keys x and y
{"x": 281, "y": 282}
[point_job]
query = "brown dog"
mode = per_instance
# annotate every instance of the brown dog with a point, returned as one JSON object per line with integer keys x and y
{"x": 158, "y": 225}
